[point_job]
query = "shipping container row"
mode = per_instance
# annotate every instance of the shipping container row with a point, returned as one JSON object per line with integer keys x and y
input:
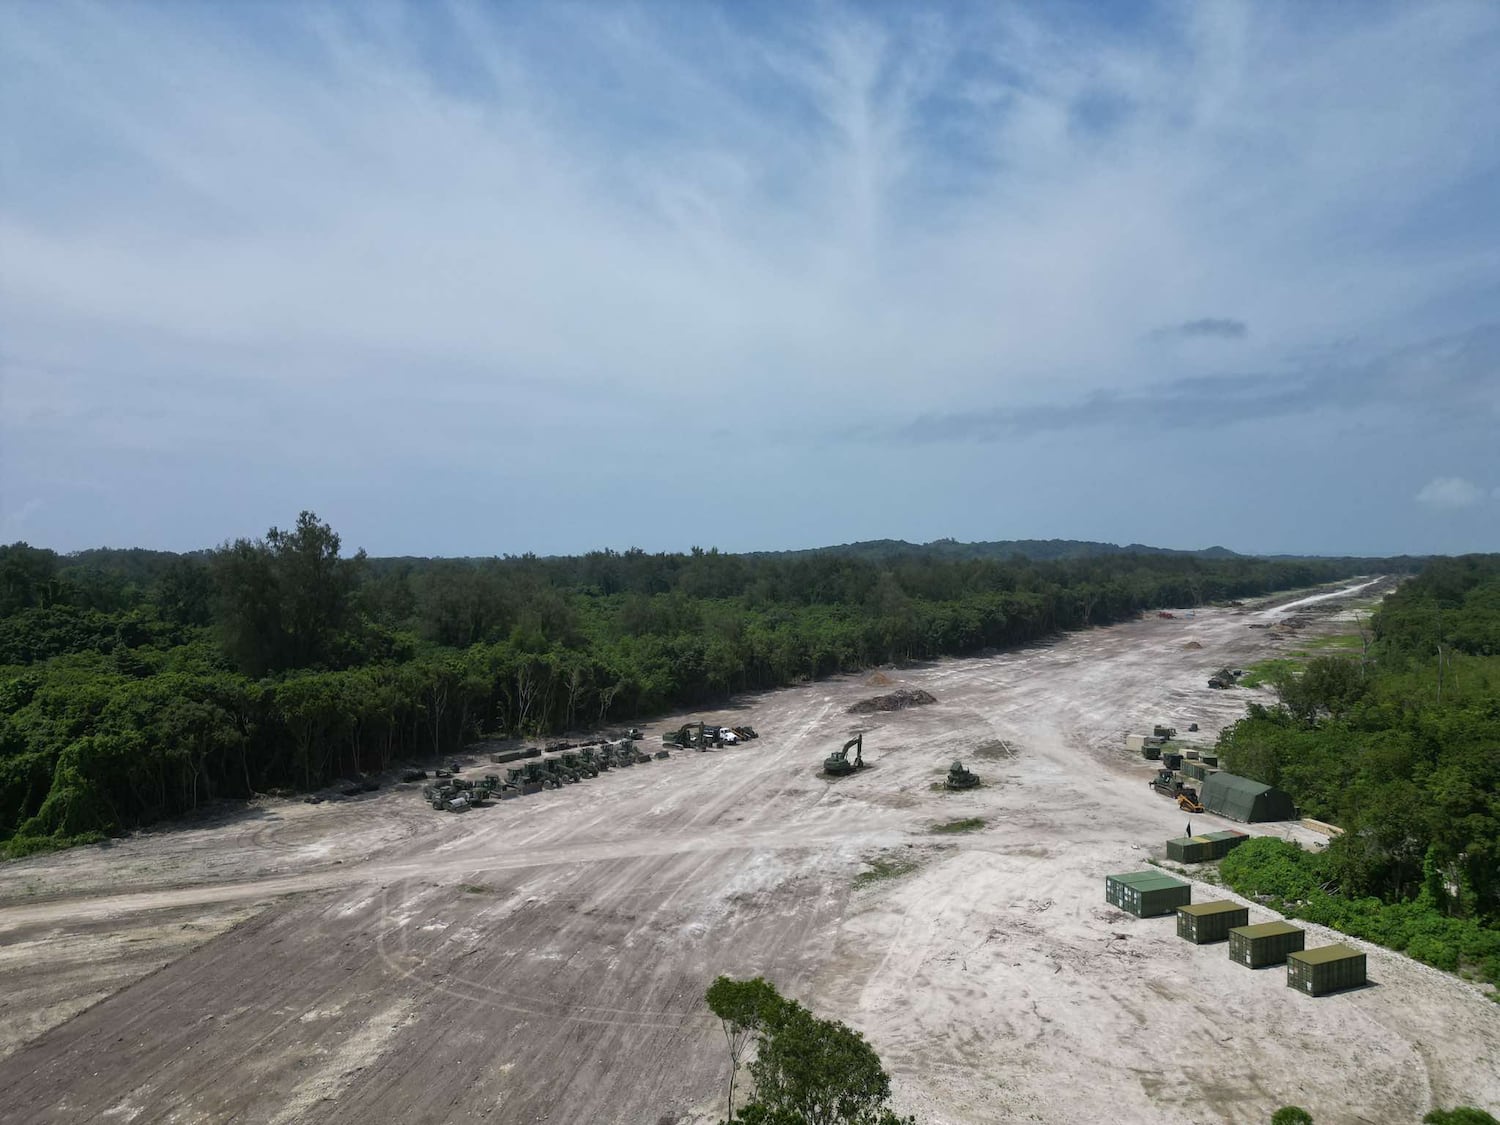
{"x": 1150, "y": 894}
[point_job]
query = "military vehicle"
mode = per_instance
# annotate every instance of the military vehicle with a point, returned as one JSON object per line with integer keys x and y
{"x": 960, "y": 778}
{"x": 839, "y": 765}
{"x": 576, "y": 762}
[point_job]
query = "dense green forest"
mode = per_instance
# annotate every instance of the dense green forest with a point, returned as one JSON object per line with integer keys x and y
{"x": 135, "y": 685}
{"x": 1398, "y": 743}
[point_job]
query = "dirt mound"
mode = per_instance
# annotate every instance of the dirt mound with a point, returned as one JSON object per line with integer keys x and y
{"x": 896, "y": 701}
{"x": 879, "y": 679}
{"x": 1192, "y": 644}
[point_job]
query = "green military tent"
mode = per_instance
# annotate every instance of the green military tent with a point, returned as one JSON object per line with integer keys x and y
{"x": 1246, "y": 800}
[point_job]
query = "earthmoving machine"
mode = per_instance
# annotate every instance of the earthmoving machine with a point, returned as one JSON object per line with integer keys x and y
{"x": 838, "y": 765}
{"x": 692, "y": 736}
{"x": 960, "y": 778}
{"x": 663, "y": 753}
{"x": 1169, "y": 785}
{"x": 596, "y": 758}
{"x": 575, "y": 762}
{"x": 557, "y": 769}
{"x": 1166, "y": 784}
{"x": 1223, "y": 678}
{"x": 535, "y": 778}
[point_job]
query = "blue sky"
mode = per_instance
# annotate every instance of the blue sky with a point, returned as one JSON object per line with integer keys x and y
{"x": 485, "y": 278}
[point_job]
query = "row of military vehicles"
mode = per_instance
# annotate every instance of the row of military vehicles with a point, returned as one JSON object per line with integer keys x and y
{"x": 534, "y": 768}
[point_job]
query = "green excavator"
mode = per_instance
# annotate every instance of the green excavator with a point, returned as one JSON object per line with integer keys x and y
{"x": 838, "y": 765}
{"x": 960, "y": 778}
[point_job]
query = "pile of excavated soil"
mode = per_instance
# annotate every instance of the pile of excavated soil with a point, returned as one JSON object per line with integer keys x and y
{"x": 879, "y": 679}
{"x": 896, "y": 701}
{"x": 1192, "y": 644}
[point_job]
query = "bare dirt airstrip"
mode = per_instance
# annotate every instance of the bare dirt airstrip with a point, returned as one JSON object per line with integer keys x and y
{"x": 544, "y": 959}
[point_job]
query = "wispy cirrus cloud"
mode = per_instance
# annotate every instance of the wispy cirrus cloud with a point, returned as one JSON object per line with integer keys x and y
{"x": 318, "y": 229}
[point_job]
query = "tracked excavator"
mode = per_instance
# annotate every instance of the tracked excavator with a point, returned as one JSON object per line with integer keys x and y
{"x": 960, "y": 778}
{"x": 838, "y": 765}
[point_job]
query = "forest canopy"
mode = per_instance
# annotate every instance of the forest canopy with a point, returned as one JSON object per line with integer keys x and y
{"x": 135, "y": 685}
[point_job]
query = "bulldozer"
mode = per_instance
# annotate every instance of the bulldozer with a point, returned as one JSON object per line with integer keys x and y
{"x": 535, "y": 778}
{"x": 960, "y": 778}
{"x": 574, "y": 761}
{"x": 1224, "y": 678}
{"x": 839, "y": 765}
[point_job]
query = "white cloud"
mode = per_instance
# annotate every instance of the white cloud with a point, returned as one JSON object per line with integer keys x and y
{"x": 1450, "y": 492}
{"x": 570, "y": 222}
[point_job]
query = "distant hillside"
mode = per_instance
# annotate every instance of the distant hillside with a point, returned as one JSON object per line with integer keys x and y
{"x": 1040, "y": 550}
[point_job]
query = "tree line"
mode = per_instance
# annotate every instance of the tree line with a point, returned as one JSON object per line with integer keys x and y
{"x": 1398, "y": 743}
{"x": 135, "y": 685}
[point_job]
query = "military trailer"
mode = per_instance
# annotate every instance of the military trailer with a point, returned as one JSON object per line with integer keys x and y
{"x": 1325, "y": 969}
{"x": 1205, "y": 922}
{"x": 1190, "y": 849}
{"x": 1266, "y": 944}
{"x": 1146, "y": 894}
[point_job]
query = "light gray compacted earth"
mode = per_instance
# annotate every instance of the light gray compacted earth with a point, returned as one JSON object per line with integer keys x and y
{"x": 544, "y": 959}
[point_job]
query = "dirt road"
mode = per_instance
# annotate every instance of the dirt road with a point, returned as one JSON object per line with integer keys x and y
{"x": 545, "y": 959}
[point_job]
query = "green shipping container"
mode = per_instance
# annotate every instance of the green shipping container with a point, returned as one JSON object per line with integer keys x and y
{"x": 1146, "y": 894}
{"x": 1203, "y": 922}
{"x": 1325, "y": 969}
{"x": 1190, "y": 849}
{"x": 1209, "y": 759}
{"x": 1194, "y": 770}
{"x": 1151, "y": 753}
{"x": 1266, "y": 944}
{"x": 1225, "y": 842}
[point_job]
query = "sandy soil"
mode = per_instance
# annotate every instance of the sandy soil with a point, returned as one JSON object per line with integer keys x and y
{"x": 545, "y": 959}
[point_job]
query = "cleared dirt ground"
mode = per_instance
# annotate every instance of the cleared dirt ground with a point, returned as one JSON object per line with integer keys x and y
{"x": 545, "y": 959}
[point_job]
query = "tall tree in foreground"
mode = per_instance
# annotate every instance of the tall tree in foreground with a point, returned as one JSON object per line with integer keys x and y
{"x": 807, "y": 1071}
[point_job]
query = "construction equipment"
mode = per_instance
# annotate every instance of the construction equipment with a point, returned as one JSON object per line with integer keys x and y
{"x": 557, "y": 769}
{"x": 1192, "y": 726}
{"x": 1164, "y": 732}
{"x": 599, "y": 759}
{"x": 838, "y": 765}
{"x": 535, "y": 777}
{"x": 1166, "y": 783}
{"x": 1187, "y": 800}
{"x": 693, "y": 736}
{"x": 574, "y": 761}
{"x": 663, "y": 753}
{"x": 960, "y": 778}
{"x": 1223, "y": 678}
